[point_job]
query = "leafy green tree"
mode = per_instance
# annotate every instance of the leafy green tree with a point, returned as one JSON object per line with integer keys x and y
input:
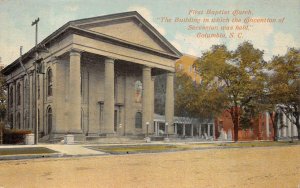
{"x": 284, "y": 85}
{"x": 236, "y": 77}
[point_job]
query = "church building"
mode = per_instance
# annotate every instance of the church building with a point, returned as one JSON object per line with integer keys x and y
{"x": 96, "y": 78}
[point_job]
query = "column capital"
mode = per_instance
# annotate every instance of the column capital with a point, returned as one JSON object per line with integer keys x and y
{"x": 109, "y": 60}
{"x": 54, "y": 59}
{"x": 170, "y": 73}
{"x": 75, "y": 52}
{"x": 146, "y": 68}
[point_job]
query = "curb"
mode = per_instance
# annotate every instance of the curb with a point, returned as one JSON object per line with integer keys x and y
{"x": 30, "y": 156}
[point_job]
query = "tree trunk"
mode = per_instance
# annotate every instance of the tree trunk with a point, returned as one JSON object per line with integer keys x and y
{"x": 274, "y": 123}
{"x": 235, "y": 117}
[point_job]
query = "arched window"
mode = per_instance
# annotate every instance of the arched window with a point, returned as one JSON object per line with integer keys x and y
{"x": 11, "y": 121}
{"x": 39, "y": 121}
{"x": 138, "y": 120}
{"x": 26, "y": 120}
{"x": 38, "y": 87}
{"x": 19, "y": 120}
{"x": 49, "y": 119}
{"x": 138, "y": 86}
{"x": 25, "y": 92}
{"x": 49, "y": 82}
{"x": 11, "y": 96}
{"x": 18, "y": 94}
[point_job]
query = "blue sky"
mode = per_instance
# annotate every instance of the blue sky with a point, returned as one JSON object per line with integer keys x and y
{"x": 16, "y": 17}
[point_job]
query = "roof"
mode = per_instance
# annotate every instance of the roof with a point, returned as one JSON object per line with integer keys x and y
{"x": 74, "y": 26}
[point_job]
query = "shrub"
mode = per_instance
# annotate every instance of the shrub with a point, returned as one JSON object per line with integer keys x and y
{"x": 1, "y": 133}
{"x": 12, "y": 136}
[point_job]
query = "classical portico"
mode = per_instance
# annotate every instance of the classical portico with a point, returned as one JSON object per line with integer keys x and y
{"x": 102, "y": 72}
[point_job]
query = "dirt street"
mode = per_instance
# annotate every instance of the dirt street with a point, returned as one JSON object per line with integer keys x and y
{"x": 252, "y": 167}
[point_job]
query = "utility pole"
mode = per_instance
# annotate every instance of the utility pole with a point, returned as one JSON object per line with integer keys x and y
{"x": 36, "y": 128}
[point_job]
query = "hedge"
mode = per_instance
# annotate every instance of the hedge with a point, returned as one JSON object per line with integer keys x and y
{"x": 13, "y": 136}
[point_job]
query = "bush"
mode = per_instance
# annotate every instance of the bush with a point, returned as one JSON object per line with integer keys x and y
{"x": 1, "y": 133}
{"x": 12, "y": 136}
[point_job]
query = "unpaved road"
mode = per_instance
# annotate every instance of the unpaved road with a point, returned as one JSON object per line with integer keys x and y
{"x": 252, "y": 167}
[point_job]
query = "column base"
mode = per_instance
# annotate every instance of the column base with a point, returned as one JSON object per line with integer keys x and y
{"x": 108, "y": 135}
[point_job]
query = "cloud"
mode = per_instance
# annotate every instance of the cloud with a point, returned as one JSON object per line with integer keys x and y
{"x": 176, "y": 45}
{"x": 11, "y": 38}
{"x": 259, "y": 35}
{"x": 71, "y": 8}
{"x": 281, "y": 43}
{"x": 147, "y": 14}
{"x": 190, "y": 44}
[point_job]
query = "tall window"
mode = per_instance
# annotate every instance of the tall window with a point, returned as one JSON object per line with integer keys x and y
{"x": 11, "y": 121}
{"x": 39, "y": 121}
{"x": 19, "y": 120}
{"x": 11, "y": 96}
{"x": 49, "y": 82}
{"x": 25, "y": 92}
{"x": 38, "y": 83}
{"x": 49, "y": 119}
{"x": 138, "y": 91}
{"x": 26, "y": 120}
{"x": 19, "y": 94}
{"x": 138, "y": 120}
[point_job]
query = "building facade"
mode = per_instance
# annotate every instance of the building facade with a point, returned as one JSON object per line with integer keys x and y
{"x": 97, "y": 79}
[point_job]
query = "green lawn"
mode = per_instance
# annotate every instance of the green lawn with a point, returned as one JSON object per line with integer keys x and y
{"x": 169, "y": 147}
{"x": 259, "y": 144}
{"x": 138, "y": 148}
{"x": 22, "y": 151}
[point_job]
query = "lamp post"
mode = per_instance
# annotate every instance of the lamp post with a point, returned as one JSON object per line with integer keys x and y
{"x": 35, "y": 23}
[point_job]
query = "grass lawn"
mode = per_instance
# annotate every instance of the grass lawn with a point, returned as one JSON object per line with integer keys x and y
{"x": 22, "y": 151}
{"x": 259, "y": 144}
{"x": 139, "y": 148}
{"x": 169, "y": 147}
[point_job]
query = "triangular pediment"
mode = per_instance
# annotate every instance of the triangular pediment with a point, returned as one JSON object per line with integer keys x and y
{"x": 129, "y": 27}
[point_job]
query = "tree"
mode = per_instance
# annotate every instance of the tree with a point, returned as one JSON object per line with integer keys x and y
{"x": 236, "y": 77}
{"x": 284, "y": 85}
{"x": 2, "y": 105}
{"x": 2, "y": 98}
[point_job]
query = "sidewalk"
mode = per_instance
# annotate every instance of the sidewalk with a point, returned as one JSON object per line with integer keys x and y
{"x": 62, "y": 150}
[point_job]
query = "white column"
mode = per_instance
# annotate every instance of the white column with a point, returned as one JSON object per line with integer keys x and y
{"x": 183, "y": 131}
{"x": 200, "y": 129}
{"x": 208, "y": 130}
{"x": 267, "y": 125}
{"x": 58, "y": 125}
{"x": 109, "y": 96}
{"x": 74, "y": 93}
{"x": 295, "y": 128}
{"x": 278, "y": 126}
{"x": 169, "y": 106}
{"x": 152, "y": 101}
{"x": 192, "y": 130}
{"x": 284, "y": 127}
{"x": 289, "y": 124}
{"x": 146, "y": 97}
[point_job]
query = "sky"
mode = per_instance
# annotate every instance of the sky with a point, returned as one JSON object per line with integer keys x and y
{"x": 16, "y": 17}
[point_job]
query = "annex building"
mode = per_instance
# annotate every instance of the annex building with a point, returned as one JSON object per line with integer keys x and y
{"x": 97, "y": 79}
